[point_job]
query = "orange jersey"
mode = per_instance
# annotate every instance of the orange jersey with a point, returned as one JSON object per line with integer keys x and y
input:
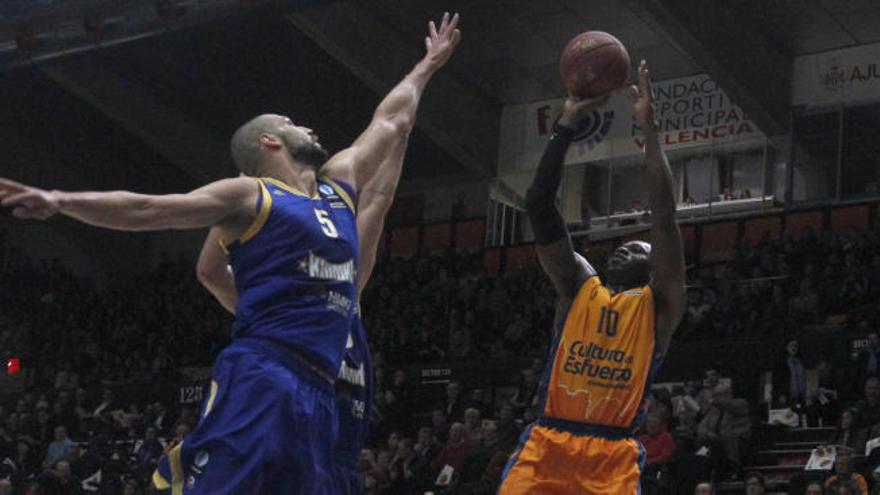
{"x": 604, "y": 357}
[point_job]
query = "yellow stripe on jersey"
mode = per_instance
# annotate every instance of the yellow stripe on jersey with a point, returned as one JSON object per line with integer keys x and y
{"x": 211, "y": 397}
{"x": 341, "y": 192}
{"x": 604, "y": 356}
{"x": 287, "y": 187}
{"x": 160, "y": 482}
{"x": 262, "y": 216}
{"x": 176, "y": 469}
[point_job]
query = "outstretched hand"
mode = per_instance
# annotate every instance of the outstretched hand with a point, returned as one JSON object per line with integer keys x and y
{"x": 27, "y": 202}
{"x": 642, "y": 100}
{"x": 576, "y": 109}
{"x": 440, "y": 43}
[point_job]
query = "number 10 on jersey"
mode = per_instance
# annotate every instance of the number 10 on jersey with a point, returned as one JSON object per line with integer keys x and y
{"x": 608, "y": 322}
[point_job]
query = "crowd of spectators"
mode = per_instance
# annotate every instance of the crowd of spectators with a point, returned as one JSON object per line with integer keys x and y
{"x": 79, "y": 342}
{"x": 779, "y": 286}
{"x": 63, "y": 429}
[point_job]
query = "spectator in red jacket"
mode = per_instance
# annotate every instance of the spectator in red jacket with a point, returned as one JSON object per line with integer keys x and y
{"x": 658, "y": 442}
{"x": 457, "y": 448}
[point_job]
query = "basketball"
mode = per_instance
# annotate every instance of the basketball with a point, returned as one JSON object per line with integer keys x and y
{"x": 593, "y": 63}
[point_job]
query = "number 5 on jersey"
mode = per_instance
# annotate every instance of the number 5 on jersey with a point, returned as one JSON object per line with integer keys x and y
{"x": 326, "y": 224}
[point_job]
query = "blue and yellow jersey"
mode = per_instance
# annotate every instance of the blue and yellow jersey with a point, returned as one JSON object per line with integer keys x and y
{"x": 604, "y": 357}
{"x": 354, "y": 393}
{"x": 296, "y": 271}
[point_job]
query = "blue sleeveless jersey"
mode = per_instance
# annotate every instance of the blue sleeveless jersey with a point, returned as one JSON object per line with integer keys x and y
{"x": 354, "y": 396}
{"x": 296, "y": 271}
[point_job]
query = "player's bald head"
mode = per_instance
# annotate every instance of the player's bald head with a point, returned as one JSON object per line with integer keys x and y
{"x": 245, "y": 143}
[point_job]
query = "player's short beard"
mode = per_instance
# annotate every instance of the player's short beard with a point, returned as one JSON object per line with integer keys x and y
{"x": 310, "y": 154}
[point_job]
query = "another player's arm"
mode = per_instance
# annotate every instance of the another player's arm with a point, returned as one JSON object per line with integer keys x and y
{"x": 395, "y": 116}
{"x": 215, "y": 274}
{"x": 373, "y": 204}
{"x": 566, "y": 268}
{"x": 667, "y": 256}
{"x": 224, "y": 202}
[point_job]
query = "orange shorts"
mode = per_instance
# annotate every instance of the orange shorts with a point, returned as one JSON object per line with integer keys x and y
{"x": 551, "y": 461}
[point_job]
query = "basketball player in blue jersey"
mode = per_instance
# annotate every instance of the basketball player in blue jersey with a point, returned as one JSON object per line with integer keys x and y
{"x": 354, "y": 381}
{"x": 270, "y": 420}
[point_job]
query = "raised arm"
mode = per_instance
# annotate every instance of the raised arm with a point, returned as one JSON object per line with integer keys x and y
{"x": 215, "y": 274}
{"x": 566, "y": 268}
{"x": 374, "y": 203}
{"x": 667, "y": 256}
{"x": 395, "y": 116}
{"x": 226, "y": 202}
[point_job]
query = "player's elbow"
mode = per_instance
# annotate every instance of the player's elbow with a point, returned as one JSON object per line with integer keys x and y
{"x": 208, "y": 274}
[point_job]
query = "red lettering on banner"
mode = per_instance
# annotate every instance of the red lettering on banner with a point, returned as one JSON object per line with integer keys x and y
{"x": 695, "y": 135}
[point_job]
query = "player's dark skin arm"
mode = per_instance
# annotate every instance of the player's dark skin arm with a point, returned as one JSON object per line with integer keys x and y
{"x": 566, "y": 268}
{"x": 667, "y": 256}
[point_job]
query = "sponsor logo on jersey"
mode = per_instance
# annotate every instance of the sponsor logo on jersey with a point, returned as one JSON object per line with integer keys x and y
{"x": 338, "y": 204}
{"x": 326, "y": 190}
{"x": 358, "y": 408}
{"x": 339, "y": 303}
{"x": 355, "y": 376}
{"x": 317, "y": 267}
{"x": 605, "y": 367}
{"x": 202, "y": 459}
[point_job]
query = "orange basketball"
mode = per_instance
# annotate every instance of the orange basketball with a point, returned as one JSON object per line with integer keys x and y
{"x": 594, "y": 63}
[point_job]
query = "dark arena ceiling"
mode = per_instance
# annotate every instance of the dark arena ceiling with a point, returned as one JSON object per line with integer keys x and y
{"x": 156, "y": 87}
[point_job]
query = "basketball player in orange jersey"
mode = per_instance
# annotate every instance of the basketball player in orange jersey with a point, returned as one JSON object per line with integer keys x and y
{"x": 610, "y": 334}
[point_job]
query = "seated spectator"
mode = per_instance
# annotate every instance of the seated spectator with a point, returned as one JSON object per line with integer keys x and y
{"x": 844, "y": 475}
{"x": 400, "y": 470}
{"x": 685, "y": 409}
{"x": 659, "y": 450}
{"x": 704, "y": 488}
{"x": 477, "y": 400}
{"x": 725, "y": 428}
{"x": 375, "y": 475}
{"x": 508, "y": 430}
{"x": 803, "y": 309}
{"x": 659, "y": 444}
{"x": 710, "y": 381}
{"x": 150, "y": 450}
{"x": 455, "y": 405}
{"x": 848, "y": 434}
{"x": 814, "y": 488}
{"x": 59, "y": 481}
{"x": 472, "y": 425}
{"x": 790, "y": 377}
{"x": 457, "y": 448}
{"x": 60, "y": 448}
{"x": 439, "y": 425}
{"x": 25, "y": 459}
{"x": 868, "y": 408}
{"x": 479, "y": 457}
{"x": 869, "y": 357}
{"x": 826, "y": 405}
{"x": 426, "y": 450}
{"x": 5, "y": 487}
{"x": 697, "y": 307}
{"x": 755, "y": 484}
